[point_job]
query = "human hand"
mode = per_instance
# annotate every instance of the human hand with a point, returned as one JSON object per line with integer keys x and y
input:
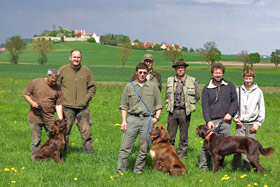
{"x": 154, "y": 120}
{"x": 254, "y": 128}
{"x": 227, "y": 117}
{"x": 210, "y": 124}
{"x": 35, "y": 105}
{"x": 237, "y": 121}
{"x": 124, "y": 126}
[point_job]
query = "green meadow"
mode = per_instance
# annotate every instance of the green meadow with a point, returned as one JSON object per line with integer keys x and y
{"x": 99, "y": 169}
{"x": 96, "y": 54}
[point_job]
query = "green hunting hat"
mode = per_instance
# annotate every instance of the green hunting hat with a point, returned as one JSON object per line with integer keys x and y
{"x": 148, "y": 57}
{"x": 180, "y": 62}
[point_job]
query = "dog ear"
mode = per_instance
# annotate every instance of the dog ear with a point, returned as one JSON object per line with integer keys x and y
{"x": 55, "y": 128}
{"x": 198, "y": 130}
{"x": 164, "y": 135}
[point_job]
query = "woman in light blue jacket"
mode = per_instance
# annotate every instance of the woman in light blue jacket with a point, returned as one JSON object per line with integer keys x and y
{"x": 251, "y": 113}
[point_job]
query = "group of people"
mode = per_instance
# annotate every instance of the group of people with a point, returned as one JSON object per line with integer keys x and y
{"x": 69, "y": 91}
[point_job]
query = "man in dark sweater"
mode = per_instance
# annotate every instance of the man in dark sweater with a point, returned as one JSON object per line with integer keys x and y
{"x": 219, "y": 105}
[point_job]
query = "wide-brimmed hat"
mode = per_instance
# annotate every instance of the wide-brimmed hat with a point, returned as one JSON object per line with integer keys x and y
{"x": 180, "y": 62}
{"x": 148, "y": 57}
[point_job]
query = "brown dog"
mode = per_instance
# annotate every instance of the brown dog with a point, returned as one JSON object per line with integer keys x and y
{"x": 51, "y": 149}
{"x": 163, "y": 154}
{"x": 220, "y": 145}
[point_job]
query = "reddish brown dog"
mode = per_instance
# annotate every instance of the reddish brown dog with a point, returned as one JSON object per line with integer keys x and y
{"x": 220, "y": 145}
{"x": 52, "y": 148}
{"x": 163, "y": 153}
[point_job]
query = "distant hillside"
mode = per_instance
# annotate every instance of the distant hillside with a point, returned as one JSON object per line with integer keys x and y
{"x": 96, "y": 54}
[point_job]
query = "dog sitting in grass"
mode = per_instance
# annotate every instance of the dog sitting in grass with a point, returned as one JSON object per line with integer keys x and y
{"x": 52, "y": 148}
{"x": 220, "y": 145}
{"x": 163, "y": 153}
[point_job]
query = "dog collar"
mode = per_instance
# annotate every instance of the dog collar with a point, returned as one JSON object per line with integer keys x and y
{"x": 209, "y": 134}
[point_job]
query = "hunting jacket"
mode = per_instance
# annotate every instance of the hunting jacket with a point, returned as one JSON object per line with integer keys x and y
{"x": 77, "y": 86}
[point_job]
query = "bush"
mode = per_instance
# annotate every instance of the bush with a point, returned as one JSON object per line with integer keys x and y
{"x": 91, "y": 40}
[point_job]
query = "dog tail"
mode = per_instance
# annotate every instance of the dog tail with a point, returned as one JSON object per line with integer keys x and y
{"x": 178, "y": 170}
{"x": 266, "y": 151}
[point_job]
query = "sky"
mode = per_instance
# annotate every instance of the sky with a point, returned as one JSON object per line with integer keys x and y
{"x": 235, "y": 25}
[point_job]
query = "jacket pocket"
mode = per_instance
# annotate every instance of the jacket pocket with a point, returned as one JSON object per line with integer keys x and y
{"x": 132, "y": 99}
{"x": 191, "y": 90}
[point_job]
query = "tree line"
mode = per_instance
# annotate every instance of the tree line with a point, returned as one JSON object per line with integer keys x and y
{"x": 209, "y": 53}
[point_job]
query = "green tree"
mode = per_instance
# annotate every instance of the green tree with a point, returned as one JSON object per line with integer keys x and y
{"x": 275, "y": 57}
{"x": 73, "y": 33}
{"x": 62, "y": 38}
{"x": 137, "y": 40}
{"x": 213, "y": 55}
{"x": 156, "y": 47}
{"x": 92, "y": 40}
{"x": 173, "y": 54}
{"x": 254, "y": 58}
{"x": 15, "y": 46}
{"x": 42, "y": 47}
{"x": 243, "y": 57}
{"x": 191, "y": 50}
{"x": 61, "y": 29}
{"x": 185, "y": 49}
{"x": 53, "y": 33}
{"x": 124, "y": 52}
{"x": 114, "y": 39}
{"x": 210, "y": 53}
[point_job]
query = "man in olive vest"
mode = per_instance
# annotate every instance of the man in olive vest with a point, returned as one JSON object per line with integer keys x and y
{"x": 182, "y": 93}
{"x": 152, "y": 75}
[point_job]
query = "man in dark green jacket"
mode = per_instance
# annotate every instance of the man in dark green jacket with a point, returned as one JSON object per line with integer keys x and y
{"x": 78, "y": 88}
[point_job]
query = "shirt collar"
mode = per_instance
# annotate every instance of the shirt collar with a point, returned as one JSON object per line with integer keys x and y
{"x": 137, "y": 83}
{"x": 255, "y": 86}
{"x": 182, "y": 79}
{"x": 211, "y": 85}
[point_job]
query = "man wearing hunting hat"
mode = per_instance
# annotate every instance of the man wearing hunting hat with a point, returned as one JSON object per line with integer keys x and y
{"x": 153, "y": 75}
{"x": 182, "y": 93}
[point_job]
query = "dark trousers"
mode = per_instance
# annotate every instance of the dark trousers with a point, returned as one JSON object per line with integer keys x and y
{"x": 179, "y": 119}
{"x": 84, "y": 125}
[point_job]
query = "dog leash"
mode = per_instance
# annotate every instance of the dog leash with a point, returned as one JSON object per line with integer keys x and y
{"x": 150, "y": 117}
{"x": 219, "y": 126}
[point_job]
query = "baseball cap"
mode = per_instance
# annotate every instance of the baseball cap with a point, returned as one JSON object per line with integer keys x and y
{"x": 148, "y": 57}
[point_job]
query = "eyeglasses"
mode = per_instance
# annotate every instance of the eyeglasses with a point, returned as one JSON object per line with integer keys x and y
{"x": 142, "y": 72}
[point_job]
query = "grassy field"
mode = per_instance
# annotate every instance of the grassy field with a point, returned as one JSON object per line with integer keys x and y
{"x": 99, "y": 169}
{"x": 96, "y": 54}
{"x": 265, "y": 77}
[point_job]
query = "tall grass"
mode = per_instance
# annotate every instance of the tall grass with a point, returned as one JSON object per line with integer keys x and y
{"x": 99, "y": 169}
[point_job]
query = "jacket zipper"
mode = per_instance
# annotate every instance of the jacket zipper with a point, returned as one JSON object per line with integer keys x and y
{"x": 76, "y": 89}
